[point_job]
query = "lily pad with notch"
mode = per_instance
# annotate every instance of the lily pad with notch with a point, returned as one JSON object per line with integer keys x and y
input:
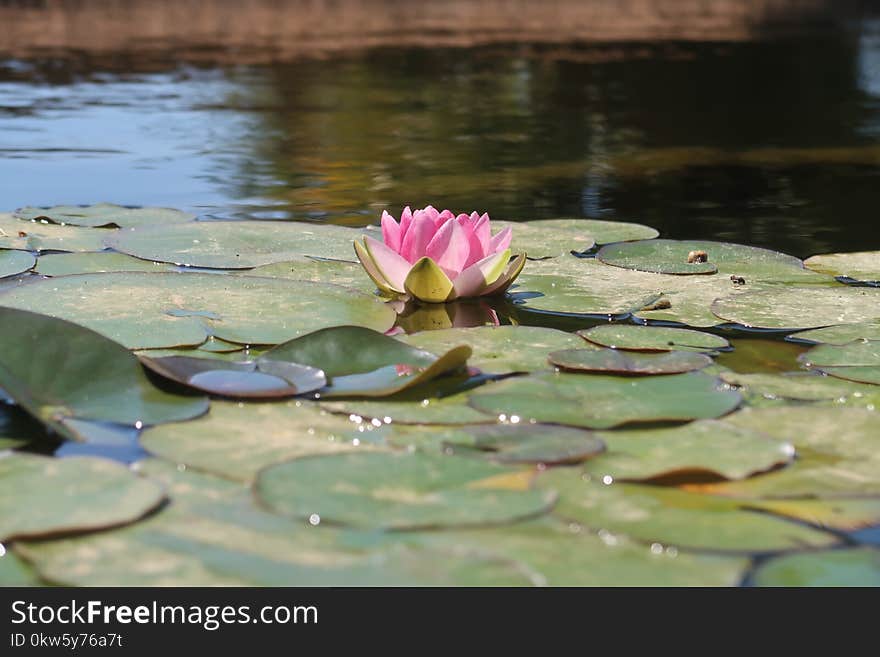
{"x": 632, "y": 337}
{"x": 861, "y": 267}
{"x": 614, "y": 361}
{"x": 104, "y": 215}
{"x": 58, "y": 371}
{"x": 359, "y": 362}
{"x": 241, "y": 380}
{"x": 40, "y": 237}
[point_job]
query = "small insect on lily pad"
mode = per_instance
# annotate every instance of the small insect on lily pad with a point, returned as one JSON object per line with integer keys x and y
{"x": 249, "y": 379}
{"x": 602, "y": 402}
{"x": 15, "y": 262}
{"x": 104, "y": 215}
{"x": 856, "y": 566}
{"x": 236, "y": 244}
{"x": 398, "y": 491}
{"x": 57, "y": 370}
{"x": 861, "y": 267}
{"x": 631, "y": 337}
{"x": 524, "y": 443}
{"x": 857, "y": 361}
{"x": 614, "y": 361}
{"x": 41, "y": 496}
{"x": 749, "y": 263}
{"x": 359, "y": 362}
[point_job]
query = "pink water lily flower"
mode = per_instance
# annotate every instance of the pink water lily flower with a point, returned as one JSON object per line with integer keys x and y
{"x": 438, "y": 256}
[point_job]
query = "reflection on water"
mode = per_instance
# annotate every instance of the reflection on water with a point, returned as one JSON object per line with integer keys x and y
{"x": 774, "y": 144}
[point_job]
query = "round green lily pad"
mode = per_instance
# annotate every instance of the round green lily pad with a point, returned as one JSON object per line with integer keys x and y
{"x": 548, "y": 238}
{"x": 705, "y": 447}
{"x": 243, "y": 380}
{"x": 235, "y": 244}
{"x": 396, "y": 491}
{"x": 58, "y": 370}
{"x": 860, "y": 267}
{"x": 856, "y": 361}
{"x": 104, "y": 215}
{"x": 143, "y": 310}
{"x": 794, "y": 386}
{"x": 797, "y": 307}
{"x": 65, "y": 264}
{"x": 236, "y": 440}
{"x": 842, "y": 513}
{"x": 567, "y": 554}
{"x": 601, "y": 402}
{"x": 668, "y": 516}
{"x": 361, "y": 362}
{"x": 15, "y": 262}
{"x": 839, "y": 334}
{"x": 631, "y": 337}
{"x": 614, "y": 361}
{"x": 522, "y": 443}
{"x": 499, "y": 349}
{"x": 42, "y": 496}
{"x": 751, "y": 263}
{"x": 857, "y": 566}
{"x": 40, "y": 236}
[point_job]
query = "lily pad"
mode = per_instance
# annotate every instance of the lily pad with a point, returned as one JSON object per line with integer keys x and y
{"x": 859, "y": 267}
{"x": 706, "y": 447}
{"x": 339, "y": 272}
{"x": 549, "y": 238}
{"x": 499, "y": 349}
{"x": 857, "y": 361}
{"x": 838, "y": 448}
{"x": 586, "y": 286}
{"x": 672, "y": 257}
{"x": 668, "y": 516}
{"x": 104, "y": 215}
{"x": 794, "y": 386}
{"x": 96, "y": 493}
{"x": 566, "y": 554}
{"x": 844, "y": 514}
{"x": 630, "y": 337}
{"x": 188, "y": 486}
{"x": 412, "y": 407}
{"x": 858, "y": 566}
{"x": 601, "y": 402}
{"x": 397, "y": 491}
{"x": 39, "y": 236}
{"x": 15, "y": 262}
{"x": 65, "y": 264}
{"x": 523, "y": 443}
{"x": 614, "y": 361}
{"x": 839, "y": 334}
{"x": 57, "y": 370}
{"x": 221, "y": 544}
{"x": 361, "y": 362}
{"x": 143, "y": 310}
{"x": 14, "y": 571}
{"x": 235, "y": 244}
{"x": 236, "y": 440}
{"x": 794, "y": 307}
{"x": 242, "y": 380}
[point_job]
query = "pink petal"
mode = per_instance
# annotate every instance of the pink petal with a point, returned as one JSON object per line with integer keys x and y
{"x": 405, "y": 221}
{"x": 416, "y": 240}
{"x": 431, "y": 211}
{"x": 480, "y": 240}
{"x": 472, "y": 282}
{"x": 390, "y": 232}
{"x": 449, "y": 248}
{"x": 500, "y": 242}
{"x": 446, "y": 215}
{"x": 390, "y": 264}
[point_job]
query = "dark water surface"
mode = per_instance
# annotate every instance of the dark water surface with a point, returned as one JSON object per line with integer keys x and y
{"x": 768, "y": 143}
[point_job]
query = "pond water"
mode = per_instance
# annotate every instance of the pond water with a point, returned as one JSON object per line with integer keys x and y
{"x": 773, "y": 144}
